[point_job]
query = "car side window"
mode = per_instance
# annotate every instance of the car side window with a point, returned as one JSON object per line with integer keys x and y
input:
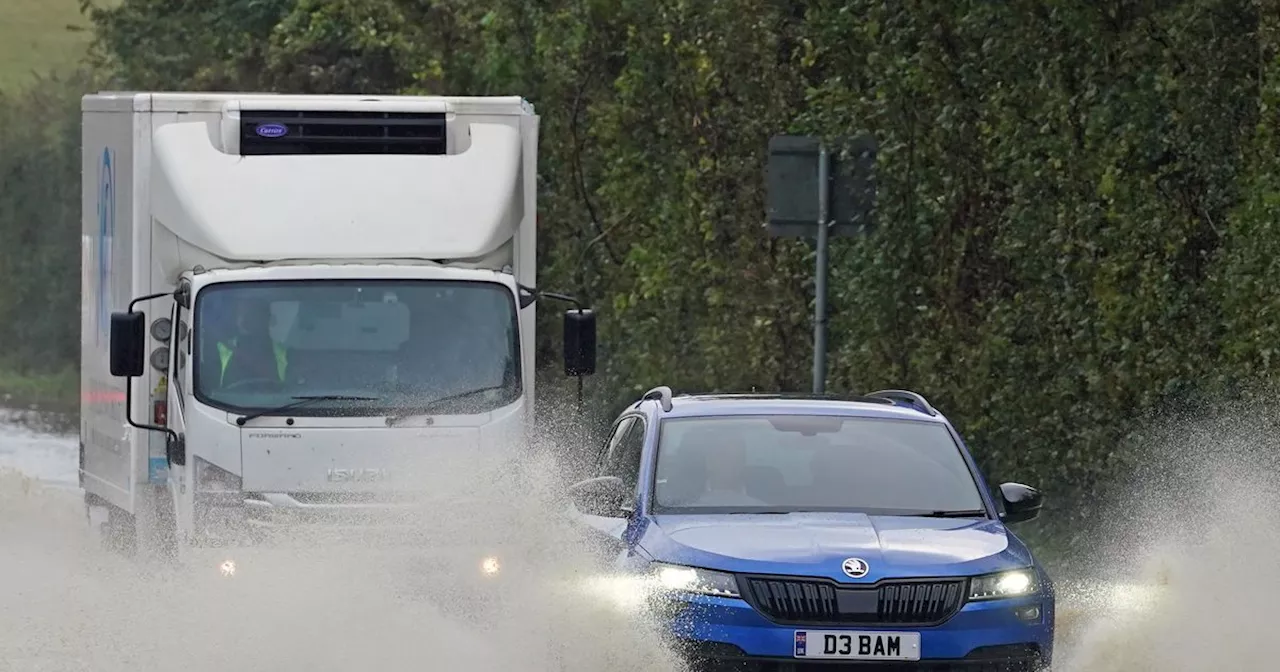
{"x": 610, "y": 448}
{"x": 629, "y": 453}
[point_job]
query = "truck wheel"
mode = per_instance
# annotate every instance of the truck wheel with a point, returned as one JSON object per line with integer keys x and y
{"x": 120, "y": 532}
{"x": 166, "y": 541}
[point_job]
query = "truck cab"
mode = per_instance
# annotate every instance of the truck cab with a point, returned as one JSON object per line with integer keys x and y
{"x": 304, "y": 309}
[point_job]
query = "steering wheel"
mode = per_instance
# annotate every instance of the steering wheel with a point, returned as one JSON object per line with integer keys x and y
{"x": 245, "y": 381}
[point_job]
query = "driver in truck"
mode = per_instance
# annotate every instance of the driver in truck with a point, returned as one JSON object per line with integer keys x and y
{"x": 249, "y": 352}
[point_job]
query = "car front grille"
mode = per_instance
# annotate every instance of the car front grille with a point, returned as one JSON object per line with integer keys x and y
{"x": 819, "y": 601}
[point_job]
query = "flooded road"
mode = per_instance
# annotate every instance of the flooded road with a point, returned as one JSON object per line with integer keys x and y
{"x": 27, "y": 446}
{"x": 71, "y": 607}
{"x": 1200, "y": 552}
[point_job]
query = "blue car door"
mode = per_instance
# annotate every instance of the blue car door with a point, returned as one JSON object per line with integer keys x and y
{"x": 615, "y": 536}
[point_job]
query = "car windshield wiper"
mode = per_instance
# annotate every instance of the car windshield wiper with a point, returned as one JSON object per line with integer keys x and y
{"x": 419, "y": 409}
{"x": 302, "y": 401}
{"x": 974, "y": 513}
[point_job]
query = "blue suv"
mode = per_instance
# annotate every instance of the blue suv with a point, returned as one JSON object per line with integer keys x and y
{"x": 792, "y": 533}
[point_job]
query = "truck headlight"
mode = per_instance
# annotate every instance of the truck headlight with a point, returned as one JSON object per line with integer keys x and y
{"x": 210, "y": 478}
{"x": 694, "y": 580}
{"x": 1014, "y": 583}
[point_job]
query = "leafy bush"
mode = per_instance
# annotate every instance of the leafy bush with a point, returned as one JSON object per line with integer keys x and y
{"x": 1077, "y": 201}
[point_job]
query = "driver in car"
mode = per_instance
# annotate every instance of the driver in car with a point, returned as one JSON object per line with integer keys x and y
{"x": 726, "y": 466}
{"x": 250, "y": 353}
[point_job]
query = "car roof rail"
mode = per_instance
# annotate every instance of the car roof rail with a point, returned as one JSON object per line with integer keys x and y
{"x": 801, "y": 396}
{"x": 663, "y": 394}
{"x": 912, "y": 398}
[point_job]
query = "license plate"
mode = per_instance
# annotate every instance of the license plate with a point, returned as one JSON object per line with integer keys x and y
{"x": 848, "y": 645}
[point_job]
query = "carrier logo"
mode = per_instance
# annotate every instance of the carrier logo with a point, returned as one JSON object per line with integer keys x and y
{"x": 106, "y": 234}
{"x": 855, "y": 568}
{"x": 271, "y": 130}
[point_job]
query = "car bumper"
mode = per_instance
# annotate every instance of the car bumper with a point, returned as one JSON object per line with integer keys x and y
{"x": 722, "y": 633}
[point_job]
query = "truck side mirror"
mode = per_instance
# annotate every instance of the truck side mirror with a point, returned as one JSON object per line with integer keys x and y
{"x": 579, "y": 342}
{"x": 128, "y": 344}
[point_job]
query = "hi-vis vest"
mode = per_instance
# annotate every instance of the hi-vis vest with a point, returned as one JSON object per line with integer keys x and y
{"x": 225, "y": 351}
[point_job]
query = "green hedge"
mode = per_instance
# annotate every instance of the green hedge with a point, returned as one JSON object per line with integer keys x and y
{"x": 39, "y": 242}
{"x": 1077, "y": 200}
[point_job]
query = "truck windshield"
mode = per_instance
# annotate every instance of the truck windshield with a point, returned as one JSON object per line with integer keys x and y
{"x": 803, "y": 463}
{"x": 371, "y": 347}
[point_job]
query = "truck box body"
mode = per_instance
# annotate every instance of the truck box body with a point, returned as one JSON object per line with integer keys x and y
{"x": 112, "y": 454}
{"x": 367, "y": 227}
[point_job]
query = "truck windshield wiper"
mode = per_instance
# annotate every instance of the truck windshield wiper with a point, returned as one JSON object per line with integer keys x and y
{"x": 975, "y": 513}
{"x": 419, "y": 409}
{"x": 302, "y": 401}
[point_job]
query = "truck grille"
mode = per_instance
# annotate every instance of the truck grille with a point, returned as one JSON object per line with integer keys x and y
{"x": 817, "y": 601}
{"x": 353, "y": 498}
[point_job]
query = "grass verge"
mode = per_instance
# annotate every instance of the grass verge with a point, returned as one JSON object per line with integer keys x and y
{"x": 57, "y": 392}
{"x": 39, "y": 36}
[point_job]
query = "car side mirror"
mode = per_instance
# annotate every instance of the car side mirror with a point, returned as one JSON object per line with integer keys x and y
{"x": 128, "y": 344}
{"x": 1021, "y": 502}
{"x": 579, "y": 342}
{"x": 600, "y": 496}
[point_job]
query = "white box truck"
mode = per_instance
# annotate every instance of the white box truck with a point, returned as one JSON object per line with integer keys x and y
{"x": 301, "y": 307}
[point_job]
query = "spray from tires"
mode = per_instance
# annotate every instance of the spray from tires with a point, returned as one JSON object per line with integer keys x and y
{"x": 308, "y": 604}
{"x": 1199, "y": 538}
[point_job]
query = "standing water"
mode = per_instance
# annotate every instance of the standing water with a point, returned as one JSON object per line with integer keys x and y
{"x": 1198, "y": 534}
{"x": 69, "y": 606}
{"x": 35, "y": 452}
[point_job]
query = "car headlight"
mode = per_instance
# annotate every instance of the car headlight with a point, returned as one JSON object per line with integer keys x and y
{"x": 1015, "y": 583}
{"x": 694, "y": 580}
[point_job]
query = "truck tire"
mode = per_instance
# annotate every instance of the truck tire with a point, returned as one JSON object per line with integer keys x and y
{"x": 166, "y": 540}
{"x": 120, "y": 532}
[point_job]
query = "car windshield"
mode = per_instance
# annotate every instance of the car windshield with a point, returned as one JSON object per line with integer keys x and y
{"x": 792, "y": 463}
{"x": 368, "y": 347}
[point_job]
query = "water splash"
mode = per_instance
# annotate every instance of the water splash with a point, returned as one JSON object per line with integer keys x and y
{"x": 1199, "y": 544}
{"x": 306, "y": 603}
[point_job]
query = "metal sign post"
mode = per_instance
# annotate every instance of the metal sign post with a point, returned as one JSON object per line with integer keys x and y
{"x": 811, "y": 193}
